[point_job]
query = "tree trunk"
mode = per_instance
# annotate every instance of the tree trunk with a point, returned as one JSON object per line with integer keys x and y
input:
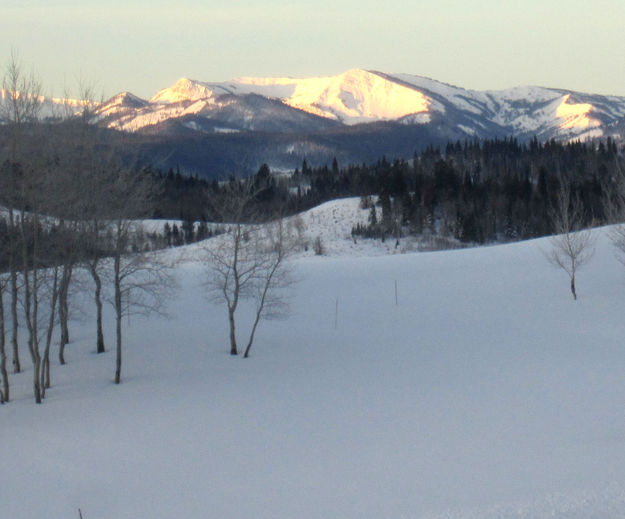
{"x": 45, "y": 369}
{"x": 61, "y": 352}
{"x": 30, "y": 304}
{"x": 35, "y": 325}
{"x": 263, "y": 296}
{"x": 249, "y": 343}
{"x": 259, "y": 312}
{"x": 237, "y": 236}
{"x": 118, "y": 360}
{"x": 118, "y": 317}
{"x": 98, "y": 302}
{"x": 64, "y": 310}
{"x": 4, "y": 394}
{"x": 573, "y": 287}
{"x": 64, "y": 322}
{"x": 233, "y": 338}
{"x": 31, "y": 300}
{"x": 17, "y": 366}
{"x": 36, "y": 381}
{"x": 62, "y": 319}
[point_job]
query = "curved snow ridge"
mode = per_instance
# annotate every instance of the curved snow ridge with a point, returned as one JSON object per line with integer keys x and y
{"x": 353, "y": 97}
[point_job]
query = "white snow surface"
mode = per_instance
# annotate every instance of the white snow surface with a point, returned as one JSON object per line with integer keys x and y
{"x": 485, "y": 392}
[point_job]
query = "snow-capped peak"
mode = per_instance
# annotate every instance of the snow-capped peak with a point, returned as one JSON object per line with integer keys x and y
{"x": 352, "y": 97}
{"x": 358, "y": 96}
{"x": 183, "y": 90}
{"x": 126, "y": 99}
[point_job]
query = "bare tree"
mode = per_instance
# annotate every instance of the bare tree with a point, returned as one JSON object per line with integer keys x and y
{"x": 88, "y": 162}
{"x": 273, "y": 275}
{"x": 94, "y": 255}
{"x": 572, "y": 247}
{"x": 141, "y": 281}
{"x": 248, "y": 262}
{"x": 53, "y": 300}
{"x": 231, "y": 270}
{"x": 20, "y": 108}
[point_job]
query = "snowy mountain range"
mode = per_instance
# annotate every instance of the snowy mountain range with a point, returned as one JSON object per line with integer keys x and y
{"x": 231, "y": 128}
{"x": 290, "y": 105}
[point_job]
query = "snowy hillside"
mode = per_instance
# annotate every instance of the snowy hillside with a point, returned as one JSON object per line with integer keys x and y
{"x": 485, "y": 392}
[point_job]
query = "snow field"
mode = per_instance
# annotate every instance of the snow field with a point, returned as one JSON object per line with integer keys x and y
{"x": 485, "y": 392}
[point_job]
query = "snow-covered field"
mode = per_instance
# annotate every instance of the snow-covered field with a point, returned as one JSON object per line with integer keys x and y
{"x": 486, "y": 392}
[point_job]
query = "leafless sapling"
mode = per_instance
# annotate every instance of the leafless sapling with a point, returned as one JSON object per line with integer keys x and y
{"x": 572, "y": 247}
{"x": 248, "y": 262}
{"x": 141, "y": 280}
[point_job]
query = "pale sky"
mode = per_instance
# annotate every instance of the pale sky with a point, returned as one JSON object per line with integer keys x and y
{"x": 145, "y": 45}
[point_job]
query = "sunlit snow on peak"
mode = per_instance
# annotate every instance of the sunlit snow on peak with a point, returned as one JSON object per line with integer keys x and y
{"x": 183, "y": 90}
{"x": 575, "y": 115}
{"x": 352, "y": 97}
{"x": 363, "y": 96}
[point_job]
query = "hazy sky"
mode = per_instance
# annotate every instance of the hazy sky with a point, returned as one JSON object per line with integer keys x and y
{"x": 146, "y": 45}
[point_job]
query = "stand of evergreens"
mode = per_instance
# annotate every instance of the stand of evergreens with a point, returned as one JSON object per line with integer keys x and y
{"x": 477, "y": 192}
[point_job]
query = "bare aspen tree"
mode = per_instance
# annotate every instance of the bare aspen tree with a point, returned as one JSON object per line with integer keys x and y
{"x": 231, "y": 269}
{"x": 87, "y": 165}
{"x": 27, "y": 186}
{"x": 141, "y": 281}
{"x": 31, "y": 275}
{"x": 20, "y": 107}
{"x": 45, "y": 365}
{"x": 96, "y": 165}
{"x": 38, "y": 254}
{"x": 273, "y": 275}
{"x": 229, "y": 265}
{"x": 80, "y": 176}
{"x": 94, "y": 255}
{"x": 572, "y": 247}
{"x": 248, "y": 262}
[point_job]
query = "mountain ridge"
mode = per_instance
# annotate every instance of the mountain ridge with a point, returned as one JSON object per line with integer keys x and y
{"x": 362, "y": 96}
{"x": 218, "y": 129}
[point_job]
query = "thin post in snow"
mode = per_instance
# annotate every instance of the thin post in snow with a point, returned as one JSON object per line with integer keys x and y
{"x": 80, "y": 513}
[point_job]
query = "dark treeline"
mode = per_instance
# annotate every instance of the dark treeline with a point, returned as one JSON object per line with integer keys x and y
{"x": 477, "y": 192}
